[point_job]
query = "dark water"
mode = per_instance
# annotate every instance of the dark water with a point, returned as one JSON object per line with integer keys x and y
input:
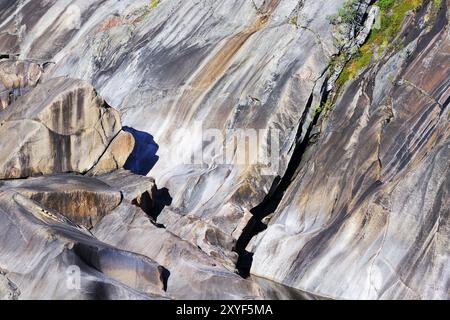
{"x": 276, "y": 291}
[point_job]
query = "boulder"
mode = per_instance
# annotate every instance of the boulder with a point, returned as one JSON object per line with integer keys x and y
{"x": 81, "y": 199}
{"x": 60, "y": 126}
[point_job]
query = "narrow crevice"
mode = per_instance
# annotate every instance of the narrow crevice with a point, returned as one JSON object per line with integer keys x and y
{"x": 101, "y": 259}
{"x": 273, "y": 199}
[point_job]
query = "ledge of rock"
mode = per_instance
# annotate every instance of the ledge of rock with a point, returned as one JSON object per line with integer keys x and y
{"x": 16, "y": 78}
{"x": 348, "y": 198}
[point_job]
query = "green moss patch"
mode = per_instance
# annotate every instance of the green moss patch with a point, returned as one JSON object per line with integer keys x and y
{"x": 392, "y": 14}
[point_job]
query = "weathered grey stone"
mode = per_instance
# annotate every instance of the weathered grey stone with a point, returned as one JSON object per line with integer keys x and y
{"x": 60, "y": 126}
{"x": 364, "y": 214}
{"x": 8, "y": 290}
{"x": 165, "y": 74}
{"x": 193, "y": 273}
{"x": 367, "y": 216}
{"x": 16, "y": 78}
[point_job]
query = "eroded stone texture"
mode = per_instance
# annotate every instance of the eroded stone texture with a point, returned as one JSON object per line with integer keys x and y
{"x": 8, "y": 290}
{"x": 83, "y": 200}
{"x": 16, "y": 78}
{"x": 127, "y": 255}
{"x": 193, "y": 273}
{"x": 54, "y": 252}
{"x": 60, "y": 126}
{"x": 227, "y": 64}
{"x": 367, "y": 216}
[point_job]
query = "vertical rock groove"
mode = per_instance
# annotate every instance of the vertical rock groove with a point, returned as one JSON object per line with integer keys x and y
{"x": 271, "y": 202}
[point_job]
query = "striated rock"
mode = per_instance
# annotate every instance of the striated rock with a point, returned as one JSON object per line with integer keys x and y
{"x": 127, "y": 255}
{"x": 16, "y": 78}
{"x": 184, "y": 63}
{"x": 193, "y": 273}
{"x": 212, "y": 240}
{"x": 59, "y": 260}
{"x": 352, "y": 198}
{"x": 60, "y": 126}
{"x": 367, "y": 215}
{"x": 8, "y": 290}
{"x": 131, "y": 185}
{"x": 83, "y": 200}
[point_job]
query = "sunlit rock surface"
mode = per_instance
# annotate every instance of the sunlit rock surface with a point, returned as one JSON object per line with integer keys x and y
{"x": 16, "y": 78}
{"x": 50, "y": 245}
{"x": 365, "y": 214}
{"x": 227, "y": 64}
{"x": 94, "y": 236}
{"x": 43, "y": 255}
{"x": 62, "y": 125}
{"x": 193, "y": 274}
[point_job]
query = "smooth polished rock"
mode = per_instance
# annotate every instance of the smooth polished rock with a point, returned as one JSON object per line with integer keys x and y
{"x": 60, "y": 260}
{"x": 83, "y": 200}
{"x": 365, "y": 214}
{"x": 116, "y": 155}
{"x": 193, "y": 273}
{"x": 228, "y": 65}
{"x": 16, "y": 78}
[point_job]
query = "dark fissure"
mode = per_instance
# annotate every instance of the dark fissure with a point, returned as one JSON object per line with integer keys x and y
{"x": 278, "y": 189}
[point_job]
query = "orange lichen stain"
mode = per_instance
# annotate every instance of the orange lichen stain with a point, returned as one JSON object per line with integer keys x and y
{"x": 110, "y": 22}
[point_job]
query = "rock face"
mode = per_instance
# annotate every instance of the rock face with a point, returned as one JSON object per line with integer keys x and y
{"x": 353, "y": 192}
{"x": 181, "y": 74}
{"x": 59, "y": 260}
{"x": 193, "y": 274}
{"x": 367, "y": 216}
{"x": 116, "y": 154}
{"x": 60, "y": 126}
{"x": 16, "y": 78}
{"x": 91, "y": 234}
{"x": 83, "y": 200}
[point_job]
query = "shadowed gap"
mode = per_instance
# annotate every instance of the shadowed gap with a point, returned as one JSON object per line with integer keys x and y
{"x": 277, "y": 191}
{"x": 143, "y": 157}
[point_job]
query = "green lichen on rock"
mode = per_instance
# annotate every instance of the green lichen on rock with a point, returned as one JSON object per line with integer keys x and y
{"x": 382, "y": 37}
{"x": 143, "y": 12}
{"x": 294, "y": 21}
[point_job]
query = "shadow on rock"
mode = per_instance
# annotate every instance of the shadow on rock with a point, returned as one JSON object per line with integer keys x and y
{"x": 153, "y": 204}
{"x": 162, "y": 200}
{"x": 143, "y": 158}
